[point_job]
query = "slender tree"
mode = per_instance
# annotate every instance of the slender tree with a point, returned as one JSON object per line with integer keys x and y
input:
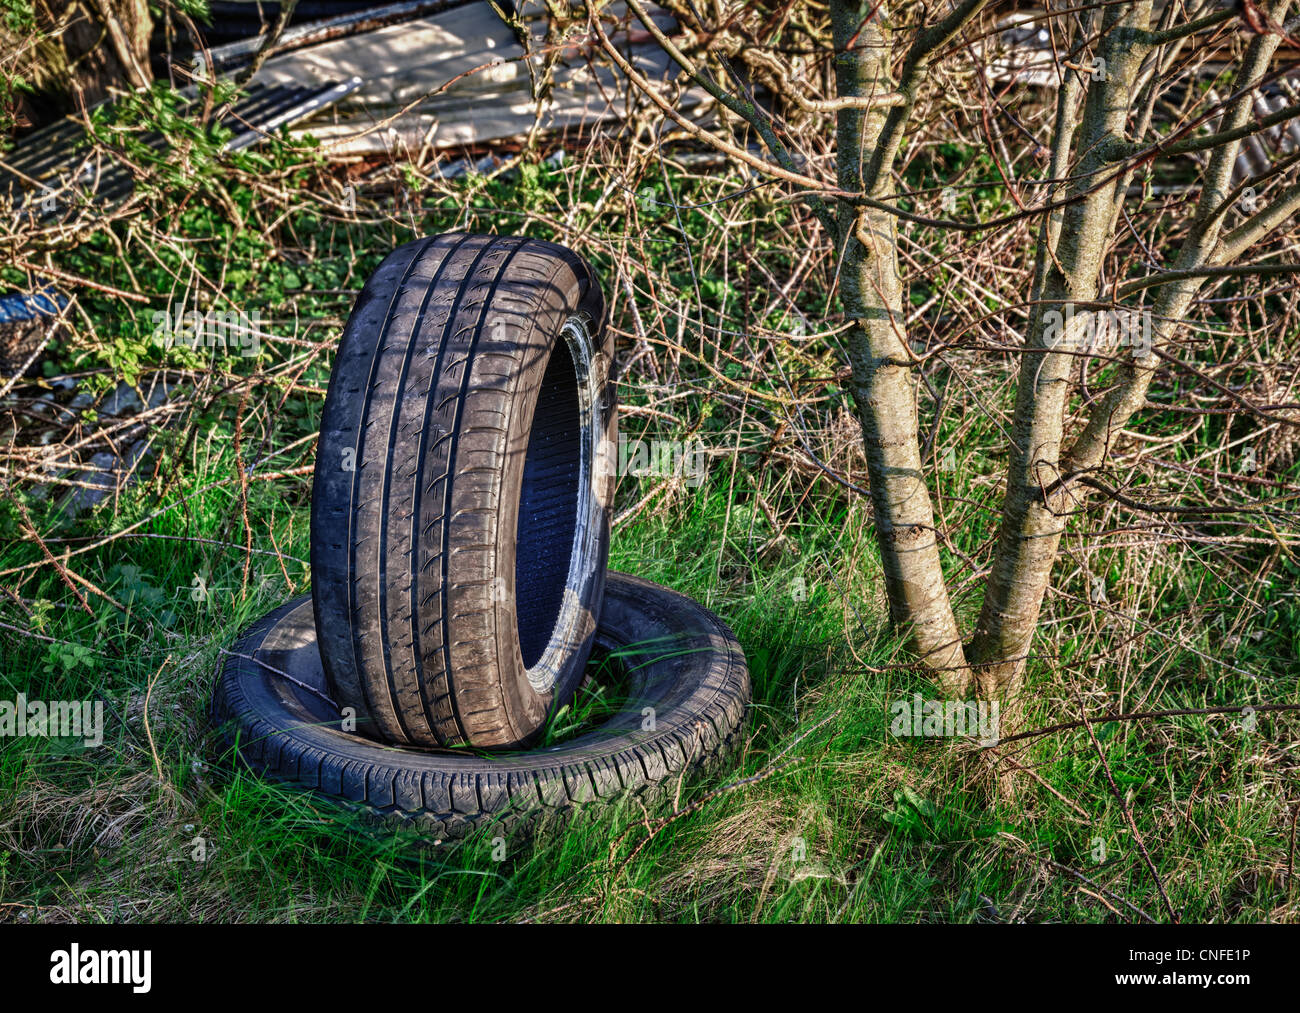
{"x": 1115, "y": 67}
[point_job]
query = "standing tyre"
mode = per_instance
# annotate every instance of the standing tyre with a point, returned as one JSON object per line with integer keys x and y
{"x": 460, "y": 504}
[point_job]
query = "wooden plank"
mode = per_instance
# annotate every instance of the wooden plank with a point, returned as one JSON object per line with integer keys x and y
{"x": 457, "y": 78}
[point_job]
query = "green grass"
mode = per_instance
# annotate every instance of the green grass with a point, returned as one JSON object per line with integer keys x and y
{"x": 837, "y": 821}
{"x": 885, "y": 827}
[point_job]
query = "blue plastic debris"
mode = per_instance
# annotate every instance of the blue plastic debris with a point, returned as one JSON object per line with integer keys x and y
{"x": 15, "y": 306}
{"x": 23, "y": 322}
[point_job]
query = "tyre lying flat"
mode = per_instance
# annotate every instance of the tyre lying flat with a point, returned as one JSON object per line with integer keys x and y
{"x": 460, "y": 503}
{"x": 688, "y": 692}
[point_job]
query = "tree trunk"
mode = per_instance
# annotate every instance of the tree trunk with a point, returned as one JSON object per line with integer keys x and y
{"x": 96, "y": 45}
{"x": 1039, "y": 486}
{"x": 1033, "y": 519}
{"x": 884, "y": 384}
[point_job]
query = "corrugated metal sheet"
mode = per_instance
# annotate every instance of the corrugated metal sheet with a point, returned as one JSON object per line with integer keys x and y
{"x": 231, "y": 55}
{"x": 54, "y": 172}
{"x": 242, "y": 19}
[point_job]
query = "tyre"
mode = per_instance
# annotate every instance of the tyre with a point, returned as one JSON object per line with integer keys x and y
{"x": 687, "y": 697}
{"x": 460, "y": 503}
